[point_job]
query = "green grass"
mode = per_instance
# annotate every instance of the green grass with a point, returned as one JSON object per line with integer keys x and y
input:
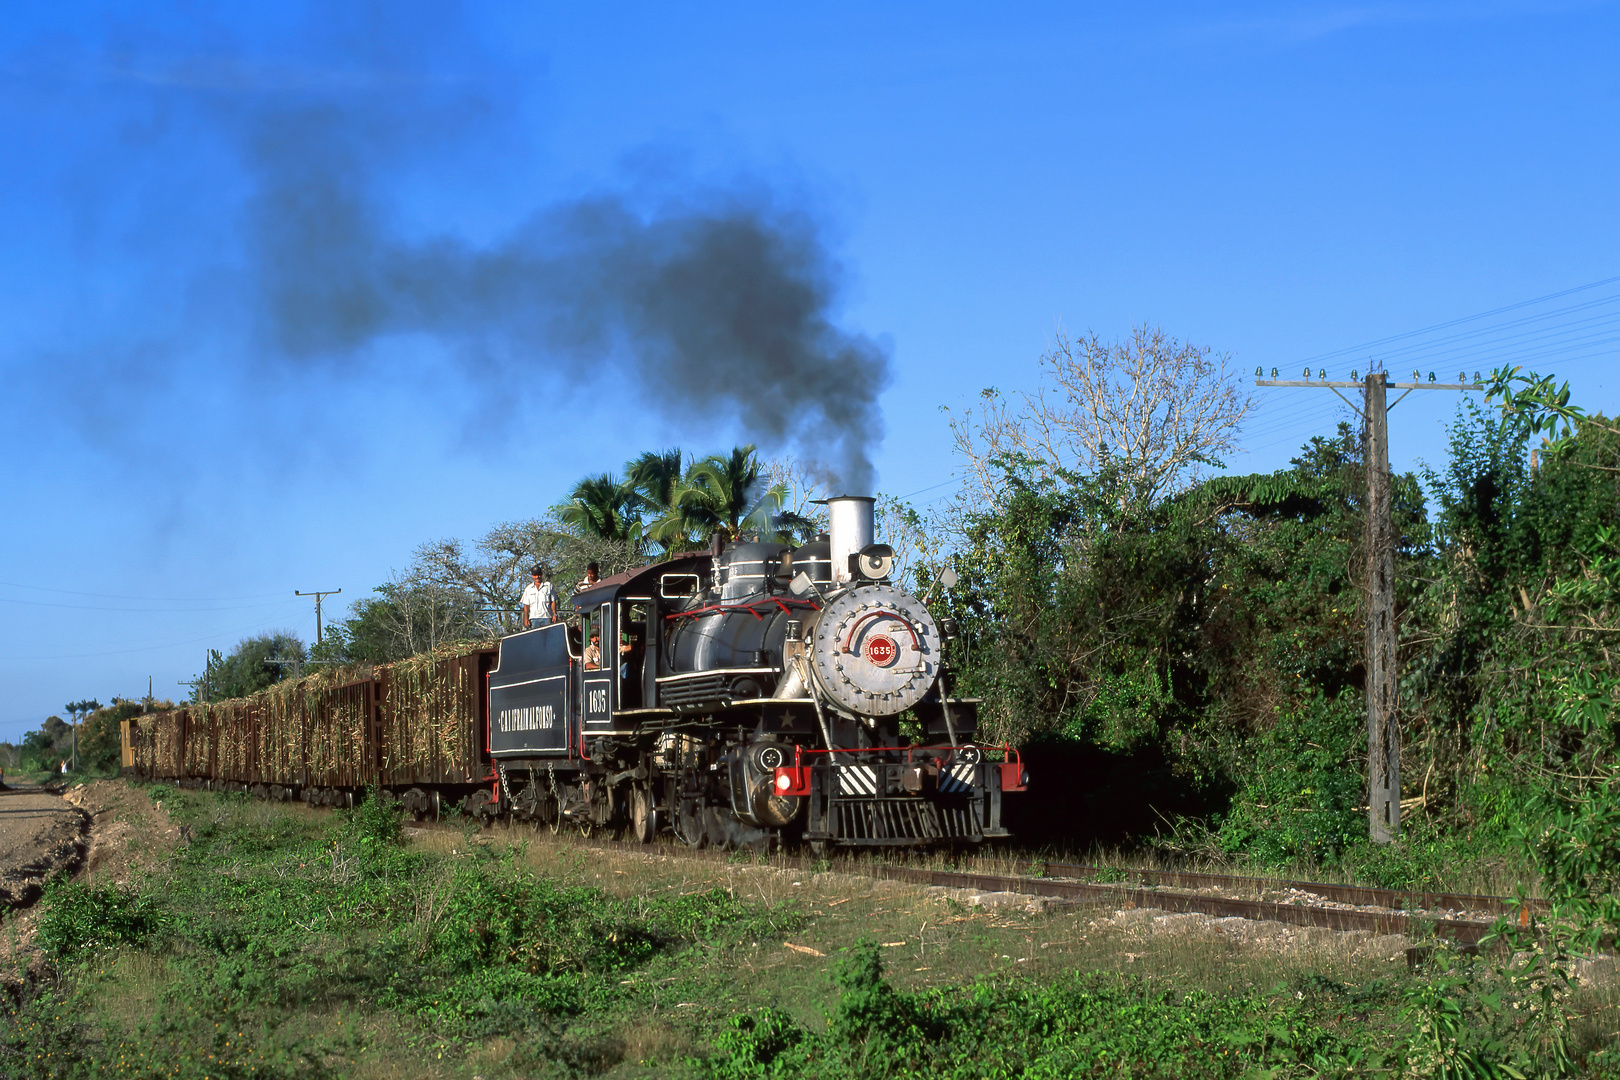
{"x": 284, "y": 942}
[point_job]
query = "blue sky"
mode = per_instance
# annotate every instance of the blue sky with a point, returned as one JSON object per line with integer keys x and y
{"x": 260, "y": 326}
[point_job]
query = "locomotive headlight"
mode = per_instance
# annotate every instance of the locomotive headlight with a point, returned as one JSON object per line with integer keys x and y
{"x": 783, "y": 782}
{"x": 874, "y": 562}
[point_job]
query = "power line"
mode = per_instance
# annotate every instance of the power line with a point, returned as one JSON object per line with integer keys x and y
{"x": 1458, "y": 322}
{"x": 1569, "y": 336}
{"x": 930, "y": 487}
{"x": 148, "y": 599}
{"x": 134, "y": 611}
{"x": 140, "y": 648}
{"x": 1513, "y": 324}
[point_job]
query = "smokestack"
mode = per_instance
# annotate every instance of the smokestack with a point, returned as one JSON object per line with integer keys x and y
{"x": 852, "y": 529}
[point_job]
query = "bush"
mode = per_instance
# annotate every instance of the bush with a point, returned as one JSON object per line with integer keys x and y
{"x": 1578, "y": 850}
{"x": 79, "y": 919}
{"x": 376, "y": 821}
{"x": 502, "y": 916}
{"x": 1083, "y": 1024}
{"x": 1300, "y": 801}
{"x": 754, "y": 1043}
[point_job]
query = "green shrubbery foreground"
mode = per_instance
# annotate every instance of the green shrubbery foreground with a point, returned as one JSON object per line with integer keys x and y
{"x": 277, "y": 945}
{"x": 1096, "y": 1024}
{"x": 260, "y": 921}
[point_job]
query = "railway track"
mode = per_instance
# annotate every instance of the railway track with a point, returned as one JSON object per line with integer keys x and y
{"x": 1406, "y": 912}
{"x": 1465, "y": 932}
{"x": 1345, "y": 894}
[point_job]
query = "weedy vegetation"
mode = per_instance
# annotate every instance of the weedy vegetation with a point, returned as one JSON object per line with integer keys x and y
{"x": 285, "y": 942}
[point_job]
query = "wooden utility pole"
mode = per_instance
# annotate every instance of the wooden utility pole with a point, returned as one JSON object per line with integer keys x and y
{"x": 1383, "y": 727}
{"x": 317, "y": 596}
{"x": 1383, "y": 658}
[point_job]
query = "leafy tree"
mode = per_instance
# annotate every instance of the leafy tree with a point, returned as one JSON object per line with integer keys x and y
{"x": 251, "y": 666}
{"x": 1213, "y": 642}
{"x": 492, "y": 575}
{"x": 721, "y": 494}
{"x": 1531, "y": 590}
{"x": 653, "y": 479}
{"x": 1174, "y": 646}
{"x": 602, "y": 506}
{"x": 453, "y": 592}
{"x": 416, "y": 612}
{"x": 44, "y": 747}
{"x": 370, "y": 634}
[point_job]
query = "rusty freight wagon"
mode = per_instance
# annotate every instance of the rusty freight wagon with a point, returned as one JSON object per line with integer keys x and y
{"x": 417, "y": 728}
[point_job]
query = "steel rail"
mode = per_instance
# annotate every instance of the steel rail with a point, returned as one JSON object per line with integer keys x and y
{"x": 1464, "y": 932}
{"x": 1467, "y": 932}
{"x": 1349, "y": 894}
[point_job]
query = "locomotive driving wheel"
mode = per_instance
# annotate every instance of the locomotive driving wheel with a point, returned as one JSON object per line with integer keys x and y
{"x": 643, "y": 815}
{"x": 689, "y": 822}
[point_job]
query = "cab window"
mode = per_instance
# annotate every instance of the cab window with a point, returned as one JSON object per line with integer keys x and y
{"x": 592, "y": 632}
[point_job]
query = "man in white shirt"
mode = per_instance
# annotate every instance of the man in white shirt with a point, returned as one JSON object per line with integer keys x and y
{"x": 539, "y": 600}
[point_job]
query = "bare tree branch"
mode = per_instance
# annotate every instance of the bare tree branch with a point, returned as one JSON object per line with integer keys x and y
{"x": 1155, "y": 409}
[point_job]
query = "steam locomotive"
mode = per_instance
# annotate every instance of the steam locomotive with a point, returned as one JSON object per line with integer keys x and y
{"x": 746, "y": 695}
{"x": 739, "y": 697}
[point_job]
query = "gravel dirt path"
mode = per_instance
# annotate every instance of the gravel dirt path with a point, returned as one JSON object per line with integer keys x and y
{"x": 40, "y": 834}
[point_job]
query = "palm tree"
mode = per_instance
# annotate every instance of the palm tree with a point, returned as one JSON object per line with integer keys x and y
{"x": 602, "y": 506}
{"x": 721, "y": 494}
{"x": 653, "y": 478}
{"x": 792, "y": 528}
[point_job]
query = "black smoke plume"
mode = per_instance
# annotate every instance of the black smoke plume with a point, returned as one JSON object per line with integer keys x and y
{"x": 705, "y": 302}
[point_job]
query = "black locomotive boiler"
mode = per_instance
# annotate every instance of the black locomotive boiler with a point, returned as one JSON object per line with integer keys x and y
{"x": 744, "y": 695}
